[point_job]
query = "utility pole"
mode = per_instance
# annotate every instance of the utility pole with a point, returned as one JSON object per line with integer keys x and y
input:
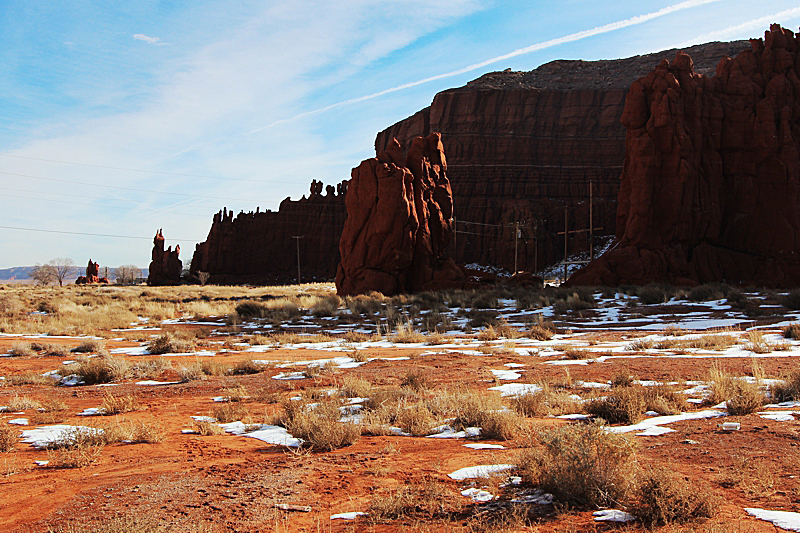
{"x": 297, "y": 240}
{"x": 591, "y": 222}
{"x": 516, "y": 245}
{"x": 536, "y": 247}
{"x": 566, "y": 239}
{"x": 455, "y": 236}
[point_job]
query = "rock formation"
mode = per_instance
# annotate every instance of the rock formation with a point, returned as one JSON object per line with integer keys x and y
{"x": 710, "y": 189}
{"x": 399, "y": 221}
{"x": 92, "y": 275}
{"x": 520, "y": 146}
{"x": 165, "y": 267}
{"x": 258, "y": 247}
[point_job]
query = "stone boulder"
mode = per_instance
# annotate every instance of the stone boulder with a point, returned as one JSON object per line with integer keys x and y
{"x": 165, "y": 267}
{"x": 399, "y": 221}
{"x": 710, "y": 189}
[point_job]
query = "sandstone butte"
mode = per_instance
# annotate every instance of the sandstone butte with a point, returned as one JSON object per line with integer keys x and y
{"x": 165, "y": 266}
{"x": 710, "y": 189}
{"x": 92, "y": 275}
{"x": 399, "y": 222}
{"x": 520, "y": 146}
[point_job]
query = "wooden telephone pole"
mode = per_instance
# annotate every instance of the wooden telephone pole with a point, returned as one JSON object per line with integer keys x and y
{"x": 297, "y": 240}
{"x": 566, "y": 233}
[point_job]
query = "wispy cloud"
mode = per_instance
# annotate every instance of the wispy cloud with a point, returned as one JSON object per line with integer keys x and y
{"x": 606, "y": 28}
{"x": 150, "y": 40}
{"x": 744, "y": 29}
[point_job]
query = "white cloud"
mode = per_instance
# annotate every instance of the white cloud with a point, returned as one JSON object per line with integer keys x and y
{"x": 146, "y": 38}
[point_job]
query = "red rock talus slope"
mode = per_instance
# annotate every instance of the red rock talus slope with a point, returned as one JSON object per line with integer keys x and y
{"x": 258, "y": 247}
{"x": 399, "y": 221}
{"x": 711, "y": 185}
{"x": 165, "y": 267}
{"x": 522, "y": 145}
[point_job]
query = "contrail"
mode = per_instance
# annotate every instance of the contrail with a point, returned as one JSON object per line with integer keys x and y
{"x": 613, "y": 26}
{"x": 733, "y": 31}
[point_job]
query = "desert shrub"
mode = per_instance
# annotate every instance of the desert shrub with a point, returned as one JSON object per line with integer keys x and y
{"x": 622, "y": 406}
{"x": 325, "y": 306}
{"x": 547, "y": 401}
{"x": 90, "y": 346}
{"x": 487, "y": 334}
{"x": 737, "y": 299}
{"x": 246, "y": 366}
{"x": 788, "y": 389}
{"x": 132, "y": 432}
{"x": 427, "y": 499}
{"x": 355, "y": 387}
{"x": 641, "y": 345}
{"x": 741, "y": 396}
{"x": 75, "y": 448}
{"x": 115, "y": 405}
{"x": 791, "y": 300}
{"x": 405, "y": 334}
{"x": 709, "y": 291}
{"x": 792, "y": 331}
{"x": 21, "y": 349}
{"x": 103, "y": 369}
{"x": 652, "y": 294}
{"x": 8, "y": 438}
{"x": 230, "y": 412}
{"x": 365, "y": 303}
{"x": 320, "y": 427}
{"x": 663, "y": 498}
{"x": 571, "y": 352}
{"x": 415, "y": 418}
{"x": 22, "y": 403}
{"x": 541, "y": 332}
{"x": 582, "y": 465}
{"x": 167, "y": 342}
{"x": 150, "y": 369}
{"x": 29, "y": 378}
{"x": 479, "y": 318}
{"x": 44, "y": 348}
{"x": 486, "y": 411}
{"x": 621, "y": 378}
{"x": 416, "y": 380}
{"x": 206, "y": 427}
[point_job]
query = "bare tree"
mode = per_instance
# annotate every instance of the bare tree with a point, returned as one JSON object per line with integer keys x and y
{"x": 127, "y": 274}
{"x": 43, "y": 274}
{"x": 202, "y": 277}
{"x": 63, "y": 267}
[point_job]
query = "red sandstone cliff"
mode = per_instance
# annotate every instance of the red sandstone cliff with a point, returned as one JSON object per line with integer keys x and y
{"x": 399, "y": 221}
{"x": 523, "y": 145}
{"x": 711, "y": 184}
{"x": 258, "y": 247}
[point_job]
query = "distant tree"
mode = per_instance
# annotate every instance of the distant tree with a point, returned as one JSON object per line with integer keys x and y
{"x": 63, "y": 267}
{"x": 202, "y": 277}
{"x": 127, "y": 274}
{"x": 43, "y": 274}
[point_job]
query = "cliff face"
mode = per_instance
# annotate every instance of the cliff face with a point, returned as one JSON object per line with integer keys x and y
{"x": 260, "y": 247}
{"x": 522, "y": 146}
{"x": 399, "y": 221}
{"x": 165, "y": 266}
{"x": 711, "y": 185}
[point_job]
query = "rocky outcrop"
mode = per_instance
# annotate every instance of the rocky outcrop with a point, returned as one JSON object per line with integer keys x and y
{"x": 522, "y": 146}
{"x": 711, "y": 182}
{"x": 259, "y": 247}
{"x": 165, "y": 267}
{"x": 399, "y": 222}
{"x": 92, "y": 275}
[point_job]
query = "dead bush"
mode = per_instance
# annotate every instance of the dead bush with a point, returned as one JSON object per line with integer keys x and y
{"x": 545, "y": 402}
{"x": 102, "y": 369}
{"x": 90, "y": 346}
{"x": 663, "y": 498}
{"x": 115, "y": 405}
{"x": 167, "y": 342}
{"x": 320, "y": 427}
{"x": 246, "y": 366}
{"x": 21, "y": 349}
{"x": 789, "y": 389}
{"x": 627, "y": 405}
{"x": 206, "y": 427}
{"x": 8, "y": 438}
{"x": 582, "y": 465}
{"x": 486, "y": 411}
{"x": 133, "y": 432}
{"x": 416, "y": 380}
{"x": 741, "y": 396}
{"x": 792, "y": 331}
{"x": 355, "y": 387}
{"x": 540, "y": 332}
{"x": 230, "y": 412}
{"x": 427, "y": 499}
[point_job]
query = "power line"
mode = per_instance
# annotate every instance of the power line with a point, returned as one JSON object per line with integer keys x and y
{"x": 89, "y": 234}
{"x": 142, "y": 170}
{"x": 70, "y": 202}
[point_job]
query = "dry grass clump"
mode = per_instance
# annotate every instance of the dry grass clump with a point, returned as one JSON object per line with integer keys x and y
{"x": 663, "y": 498}
{"x": 276, "y": 310}
{"x": 792, "y": 331}
{"x": 246, "y": 366}
{"x": 168, "y": 342}
{"x": 320, "y": 427}
{"x": 756, "y": 477}
{"x": 486, "y": 411}
{"x": 404, "y": 333}
{"x": 621, "y": 378}
{"x": 546, "y": 402}
{"x": 236, "y": 394}
{"x": 23, "y": 403}
{"x": 206, "y": 428}
{"x": 541, "y": 332}
{"x": 133, "y": 432}
{"x": 115, "y": 405}
{"x": 428, "y": 499}
{"x": 571, "y": 352}
{"x": 76, "y": 448}
{"x": 703, "y": 342}
{"x": 325, "y": 306}
{"x": 230, "y": 412}
{"x": 582, "y": 465}
{"x": 627, "y": 405}
{"x": 758, "y": 344}
{"x": 640, "y": 345}
{"x": 416, "y": 380}
{"x": 742, "y": 397}
{"x": 487, "y": 334}
{"x": 29, "y": 378}
{"x": 21, "y": 349}
{"x": 789, "y": 389}
{"x": 101, "y": 369}
{"x": 8, "y": 438}
{"x": 50, "y": 349}
{"x": 90, "y": 346}
{"x": 355, "y": 387}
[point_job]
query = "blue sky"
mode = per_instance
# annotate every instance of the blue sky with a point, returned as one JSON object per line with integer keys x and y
{"x": 119, "y": 118}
